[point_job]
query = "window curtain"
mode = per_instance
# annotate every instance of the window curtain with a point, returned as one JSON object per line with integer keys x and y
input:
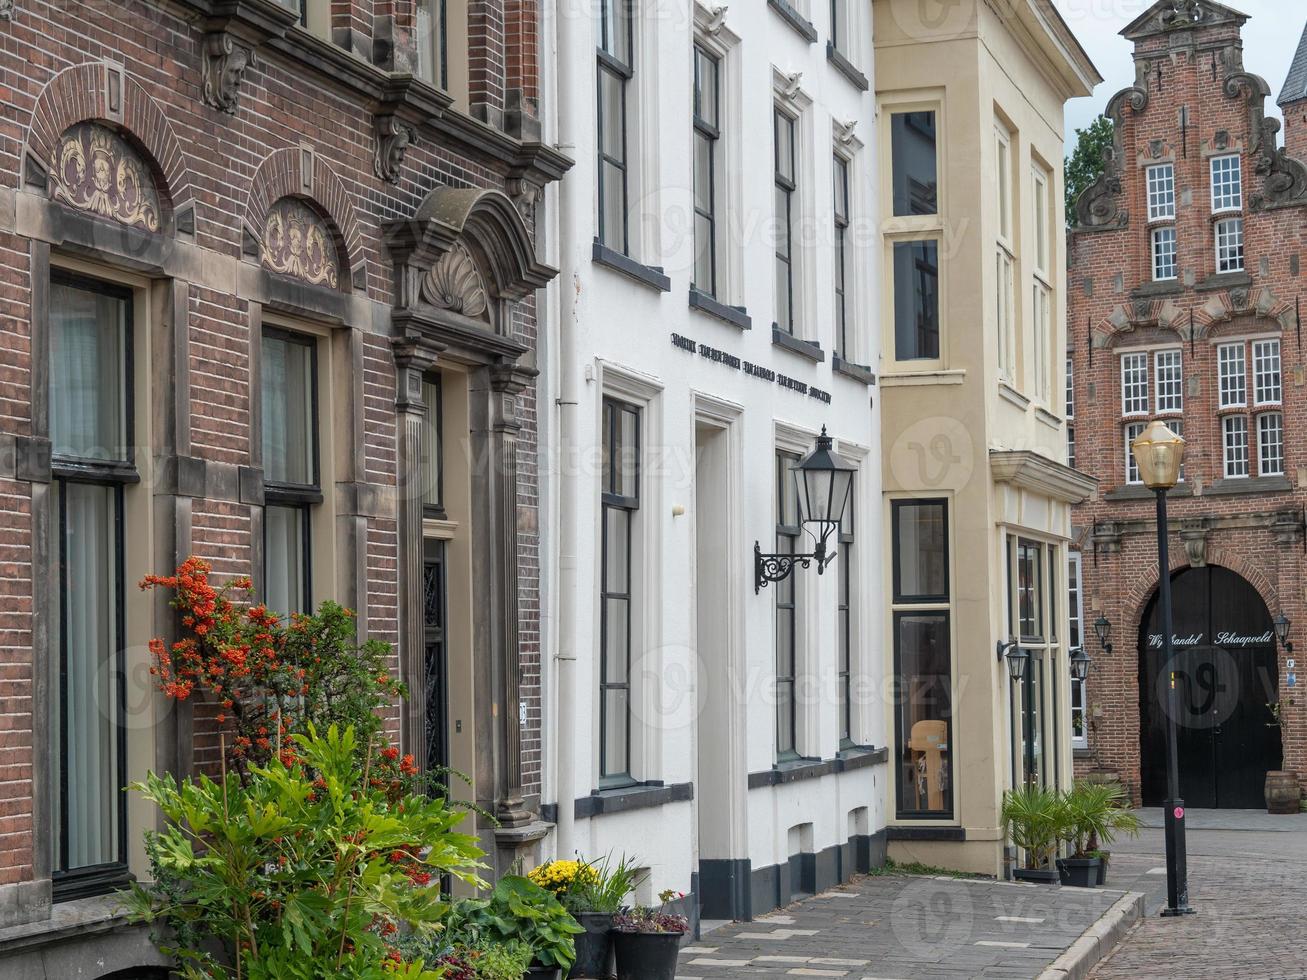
{"x": 87, "y": 408}
{"x": 284, "y": 572}
{"x": 87, "y": 709}
{"x": 287, "y": 412}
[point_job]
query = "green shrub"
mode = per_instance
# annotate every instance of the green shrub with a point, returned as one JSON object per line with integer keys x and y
{"x": 305, "y": 871}
{"x": 518, "y": 910}
{"x": 1035, "y": 820}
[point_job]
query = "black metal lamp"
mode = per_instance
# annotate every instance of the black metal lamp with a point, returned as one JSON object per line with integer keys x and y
{"x": 1017, "y": 659}
{"x": 1103, "y": 627}
{"x": 1079, "y": 664}
{"x": 823, "y": 481}
{"x": 1282, "y": 631}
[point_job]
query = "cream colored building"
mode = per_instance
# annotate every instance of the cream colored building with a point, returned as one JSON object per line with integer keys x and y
{"x": 977, "y": 493}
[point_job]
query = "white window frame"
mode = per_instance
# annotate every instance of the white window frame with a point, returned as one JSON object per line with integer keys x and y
{"x": 1228, "y": 236}
{"x": 1135, "y": 392}
{"x": 1238, "y": 379}
{"x": 1270, "y": 392}
{"x": 1262, "y": 444}
{"x": 1168, "y": 383}
{"x": 1160, "y": 181}
{"x": 1133, "y": 430}
{"x": 1043, "y": 336}
{"x": 1172, "y": 267}
{"x": 1230, "y": 196}
{"x": 1070, "y": 406}
{"x": 1076, "y": 616}
{"x": 1230, "y": 430}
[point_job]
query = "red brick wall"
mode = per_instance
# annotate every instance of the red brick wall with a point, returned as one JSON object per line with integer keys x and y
{"x": 231, "y": 167}
{"x": 1106, "y": 268}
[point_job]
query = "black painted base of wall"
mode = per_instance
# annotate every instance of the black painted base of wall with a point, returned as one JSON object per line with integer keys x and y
{"x": 733, "y": 889}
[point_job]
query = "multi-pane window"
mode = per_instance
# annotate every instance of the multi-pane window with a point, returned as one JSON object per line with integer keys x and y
{"x": 1134, "y": 384}
{"x": 91, "y": 434}
{"x": 1071, "y": 445}
{"x": 1161, "y": 192}
{"x": 1234, "y": 430}
{"x": 841, "y": 184}
{"x": 290, "y": 467}
{"x": 431, "y": 27}
{"x": 1270, "y": 444}
{"x": 784, "y": 129}
{"x": 1165, "y": 265}
{"x": 620, "y": 504}
{"x": 1033, "y": 574}
{"x": 1075, "y": 640}
{"x": 1070, "y": 387}
{"x": 1169, "y": 381}
{"x": 1267, "y": 388}
{"x": 1227, "y": 184}
{"x": 1003, "y": 177}
{"x": 787, "y": 611}
{"x": 1043, "y": 208}
{"x": 923, "y": 722}
{"x": 915, "y": 164}
{"x": 1232, "y": 375}
{"x": 1229, "y": 245}
{"x": 845, "y": 627}
{"x": 707, "y": 132}
{"x": 1132, "y": 432}
{"x": 1043, "y": 333}
{"x": 1005, "y": 256}
{"x": 616, "y": 68}
{"x": 916, "y": 300}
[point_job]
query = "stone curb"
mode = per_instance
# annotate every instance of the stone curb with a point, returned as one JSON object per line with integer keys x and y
{"x": 1098, "y": 940}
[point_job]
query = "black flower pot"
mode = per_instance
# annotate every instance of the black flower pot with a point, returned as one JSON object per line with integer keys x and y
{"x": 594, "y": 947}
{"x": 538, "y": 972}
{"x": 1105, "y": 860}
{"x": 1037, "y": 876}
{"x": 1080, "y": 872}
{"x": 646, "y": 955}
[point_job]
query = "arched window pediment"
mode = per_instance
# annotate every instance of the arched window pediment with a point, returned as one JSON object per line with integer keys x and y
{"x": 299, "y": 243}
{"x": 96, "y": 170}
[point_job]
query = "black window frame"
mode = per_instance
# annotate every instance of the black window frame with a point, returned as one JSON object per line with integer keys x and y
{"x": 787, "y": 186}
{"x": 609, "y": 64}
{"x": 301, "y": 497}
{"x": 842, "y": 187}
{"x": 710, "y": 134}
{"x": 435, "y": 424}
{"x": 901, "y": 597}
{"x": 844, "y": 623}
{"x": 786, "y": 673}
{"x": 72, "y": 883}
{"x": 611, "y": 499}
{"x": 837, "y": 7}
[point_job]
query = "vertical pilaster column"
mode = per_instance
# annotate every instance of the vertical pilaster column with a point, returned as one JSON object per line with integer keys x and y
{"x": 506, "y": 383}
{"x": 413, "y": 359}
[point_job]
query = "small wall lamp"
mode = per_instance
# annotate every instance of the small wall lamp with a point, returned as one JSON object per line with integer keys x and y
{"x": 1103, "y": 627}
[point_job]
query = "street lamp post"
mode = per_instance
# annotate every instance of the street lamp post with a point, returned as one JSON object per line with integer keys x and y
{"x": 1159, "y": 453}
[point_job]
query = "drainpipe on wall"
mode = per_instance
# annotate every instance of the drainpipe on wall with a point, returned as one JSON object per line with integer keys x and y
{"x": 570, "y": 58}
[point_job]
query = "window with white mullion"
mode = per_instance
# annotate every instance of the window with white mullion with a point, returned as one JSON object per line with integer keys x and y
{"x": 1161, "y": 192}
{"x": 1232, "y": 375}
{"x": 1270, "y": 444}
{"x": 1005, "y": 312}
{"x": 1134, "y": 384}
{"x": 1075, "y": 640}
{"x": 1229, "y": 245}
{"x": 1267, "y": 388}
{"x": 1070, "y": 388}
{"x": 1227, "y": 184}
{"x": 1132, "y": 432}
{"x": 1169, "y": 381}
{"x": 1165, "y": 261}
{"x": 1235, "y": 446}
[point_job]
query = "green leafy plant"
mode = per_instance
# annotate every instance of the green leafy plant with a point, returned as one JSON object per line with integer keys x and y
{"x": 304, "y": 870}
{"x": 605, "y": 891}
{"x": 1035, "y": 819}
{"x": 1087, "y": 160}
{"x": 518, "y": 909}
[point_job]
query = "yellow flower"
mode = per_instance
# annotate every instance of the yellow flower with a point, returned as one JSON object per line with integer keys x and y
{"x": 560, "y": 876}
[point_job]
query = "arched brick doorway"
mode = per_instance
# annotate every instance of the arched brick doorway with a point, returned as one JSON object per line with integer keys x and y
{"x": 1226, "y": 677}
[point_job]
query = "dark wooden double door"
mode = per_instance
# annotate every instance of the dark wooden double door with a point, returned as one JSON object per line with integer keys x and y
{"x": 1226, "y": 679}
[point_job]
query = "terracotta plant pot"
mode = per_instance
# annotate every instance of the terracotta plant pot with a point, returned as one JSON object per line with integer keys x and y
{"x": 594, "y": 947}
{"x": 646, "y": 955}
{"x": 1283, "y": 795}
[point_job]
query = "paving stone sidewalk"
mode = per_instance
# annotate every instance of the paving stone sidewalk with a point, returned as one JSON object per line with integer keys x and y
{"x": 896, "y": 927}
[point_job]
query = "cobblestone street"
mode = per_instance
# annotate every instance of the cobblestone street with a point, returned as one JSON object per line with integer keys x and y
{"x": 1248, "y": 885}
{"x": 904, "y": 928}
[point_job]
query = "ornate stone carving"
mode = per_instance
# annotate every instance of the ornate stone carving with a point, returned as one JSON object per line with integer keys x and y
{"x": 455, "y": 284}
{"x": 394, "y": 137}
{"x": 1193, "y": 535}
{"x": 298, "y": 243}
{"x": 6, "y": 9}
{"x": 1183, "y": 13}
{"x": 1099, "y": 207}
{"x": 225, "y": 62}
{"x": 96, "y": 170}
{"x": 716, "y": 20}
{"x": 1284, "y": 179}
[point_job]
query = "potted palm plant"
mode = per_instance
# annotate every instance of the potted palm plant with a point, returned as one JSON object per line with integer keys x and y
{"x": 1087, "y": 815}
{"x": 647, "y": 941}
{"x": 1034, "y": 816}
{"x": 1120, "y": 820}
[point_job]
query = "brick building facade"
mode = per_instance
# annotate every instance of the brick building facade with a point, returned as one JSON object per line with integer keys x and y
{"x": 269, "y": 299}
{"x": 1185, "y": 276}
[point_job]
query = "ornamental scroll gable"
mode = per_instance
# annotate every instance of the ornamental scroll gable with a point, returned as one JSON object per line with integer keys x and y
{"x": 97, "y": 171}
{"x": 299, "y": 243}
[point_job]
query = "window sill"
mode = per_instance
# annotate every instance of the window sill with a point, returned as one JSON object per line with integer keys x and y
{"x": 800, "y": 770}
{"x": 1048, "y": 418}
{"x": 846, "y": 68}
{"x": 1224, "y": 280}
{"x": 736, "y": 316}
{"x": 796, "y": 20}
{"x": 1008, "y": 393}
{"x": 1139, "y": 492}
{"x": 804, "y": 348}
{"x": 858, "y": 372}
{"x": 647, "y": 275}
{"x": 642, "y": 796}
{"x": 1258, "y": 484}
{"x": 912, "y": 378}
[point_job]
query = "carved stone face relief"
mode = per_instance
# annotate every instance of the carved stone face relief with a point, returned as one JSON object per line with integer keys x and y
{"x": 298, "y": 243}
{"x": 96, "y": 170}
{"x": 455, "y": 284}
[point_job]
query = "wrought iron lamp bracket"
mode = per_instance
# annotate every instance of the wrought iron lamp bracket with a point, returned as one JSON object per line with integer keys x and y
{"x": 777, "y": 568}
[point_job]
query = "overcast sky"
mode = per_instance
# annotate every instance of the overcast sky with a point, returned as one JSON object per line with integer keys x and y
{"x": 1270, "y": 39}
